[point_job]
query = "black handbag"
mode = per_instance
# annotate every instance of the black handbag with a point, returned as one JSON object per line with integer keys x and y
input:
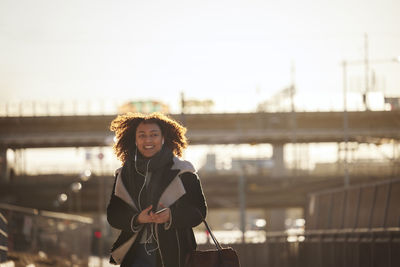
{"x": 219, "y": 257}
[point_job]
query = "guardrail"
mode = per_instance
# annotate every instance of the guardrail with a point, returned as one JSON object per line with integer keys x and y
{"x": 48, "y": 236}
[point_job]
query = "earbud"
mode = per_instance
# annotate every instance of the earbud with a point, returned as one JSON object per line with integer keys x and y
{"x": 162, "y": 141}
{"x": 135, "y": 154}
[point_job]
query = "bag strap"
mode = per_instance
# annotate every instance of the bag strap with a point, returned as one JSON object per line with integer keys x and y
{"x": 219, "y": 247}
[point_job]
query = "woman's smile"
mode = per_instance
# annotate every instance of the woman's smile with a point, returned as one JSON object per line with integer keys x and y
{"x": 148, "y": 139}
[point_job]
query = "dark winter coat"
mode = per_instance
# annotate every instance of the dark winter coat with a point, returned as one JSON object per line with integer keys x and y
{"x": 177, "y": 239}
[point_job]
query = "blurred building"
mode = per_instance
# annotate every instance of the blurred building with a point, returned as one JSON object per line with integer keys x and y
{"x": 393, "y": 102}
{"x": 197, "y": 106}
{"x": 252, "y": 165}
{"x": 246, "y": 165}
{"x": 147, "y": 106}
{"x": 210, "y": 164}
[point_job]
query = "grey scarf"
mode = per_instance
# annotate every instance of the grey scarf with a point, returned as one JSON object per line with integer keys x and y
{"x": 133, "y": 179}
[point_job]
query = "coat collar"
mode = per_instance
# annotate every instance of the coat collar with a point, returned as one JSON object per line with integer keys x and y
{"x": 177, "y": 167}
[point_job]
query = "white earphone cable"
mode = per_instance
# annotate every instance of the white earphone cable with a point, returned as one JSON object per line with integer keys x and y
{"x": 145, "y": 179}
{"x": 151, "y": 236}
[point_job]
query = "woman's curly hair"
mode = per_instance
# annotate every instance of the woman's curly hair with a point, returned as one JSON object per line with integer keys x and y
{"x": 125, "y": 127}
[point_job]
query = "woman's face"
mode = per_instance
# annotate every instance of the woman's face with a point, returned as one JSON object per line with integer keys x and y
{"x": 149, "y": 139}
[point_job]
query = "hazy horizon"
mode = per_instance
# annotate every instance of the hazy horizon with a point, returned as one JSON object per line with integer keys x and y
{"x": 236, "y": 53}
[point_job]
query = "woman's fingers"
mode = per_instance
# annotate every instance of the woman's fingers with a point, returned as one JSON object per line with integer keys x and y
{"x": 162, "y": 217}
{"x": 145, "y": 215}
{"x": 148, "y": 216}
{"x": 148, "y": 208}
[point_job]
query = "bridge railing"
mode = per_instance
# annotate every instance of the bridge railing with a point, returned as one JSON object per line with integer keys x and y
{"x": 357, "y": 226}
{"x": 55, "y": 238}
{"x": 356, "y": 248}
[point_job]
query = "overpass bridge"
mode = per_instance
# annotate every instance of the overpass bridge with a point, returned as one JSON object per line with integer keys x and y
{"x": 276, "y": 129}
{"x": 224, "y": 128}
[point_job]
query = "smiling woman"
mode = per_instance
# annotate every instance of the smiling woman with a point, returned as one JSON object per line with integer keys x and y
{"x": 135, "y": 131}
{"x": 149, "y": 139}
{"x": 156, "y": 196}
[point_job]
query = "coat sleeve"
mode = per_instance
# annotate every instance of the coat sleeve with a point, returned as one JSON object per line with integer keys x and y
{"x": 185, "y": 211}
{"x": 119, "y": 213}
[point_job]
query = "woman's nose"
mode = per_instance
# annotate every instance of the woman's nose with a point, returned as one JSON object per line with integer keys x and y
{"x": 148, "y": 139}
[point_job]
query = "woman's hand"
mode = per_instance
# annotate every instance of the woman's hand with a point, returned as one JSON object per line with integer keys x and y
{"x": 148, "y": 216}
{"x": 161, "y": 217}
{"x": 144, "y": 216}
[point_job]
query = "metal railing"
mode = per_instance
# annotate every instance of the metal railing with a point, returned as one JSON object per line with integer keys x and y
{"x": 3, "y": 238}
{"x": 358, "y": 226}
{"x": 353, "y": 247}
{"x": 50, "y": 235}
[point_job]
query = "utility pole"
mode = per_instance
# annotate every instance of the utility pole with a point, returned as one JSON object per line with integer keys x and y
{"x": 366, "y": 63}
{"x": 182, "y": 102}
{"x": 183, "y": 107}
{"x": 344, "y": 65}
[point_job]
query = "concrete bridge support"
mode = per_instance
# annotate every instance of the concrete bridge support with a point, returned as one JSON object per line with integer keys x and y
{"x": 278, "y": 158}
{"x": 3, "y": 165}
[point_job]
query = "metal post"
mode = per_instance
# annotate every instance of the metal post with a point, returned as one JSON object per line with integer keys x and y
{"x": 70, "y": 202}
{"x": 242, "y": 203}
{"x": 182, "y": 102}
{"x": 278, "y": 158}
{"x": 3, "y": 237}
{"x": 345, "y": 126}
{"x": 101, "y": 207}
{"x": 366, "y": 70}
{"x": 183, "y": 108}
{"x": 293, "y": 120}
{"x": 79, "y": 202}
{"x": 3, "y": 165}
{"x": 24, "y": 160}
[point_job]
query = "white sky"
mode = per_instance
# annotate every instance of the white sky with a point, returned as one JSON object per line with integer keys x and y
{"x": 237, "y": 53}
